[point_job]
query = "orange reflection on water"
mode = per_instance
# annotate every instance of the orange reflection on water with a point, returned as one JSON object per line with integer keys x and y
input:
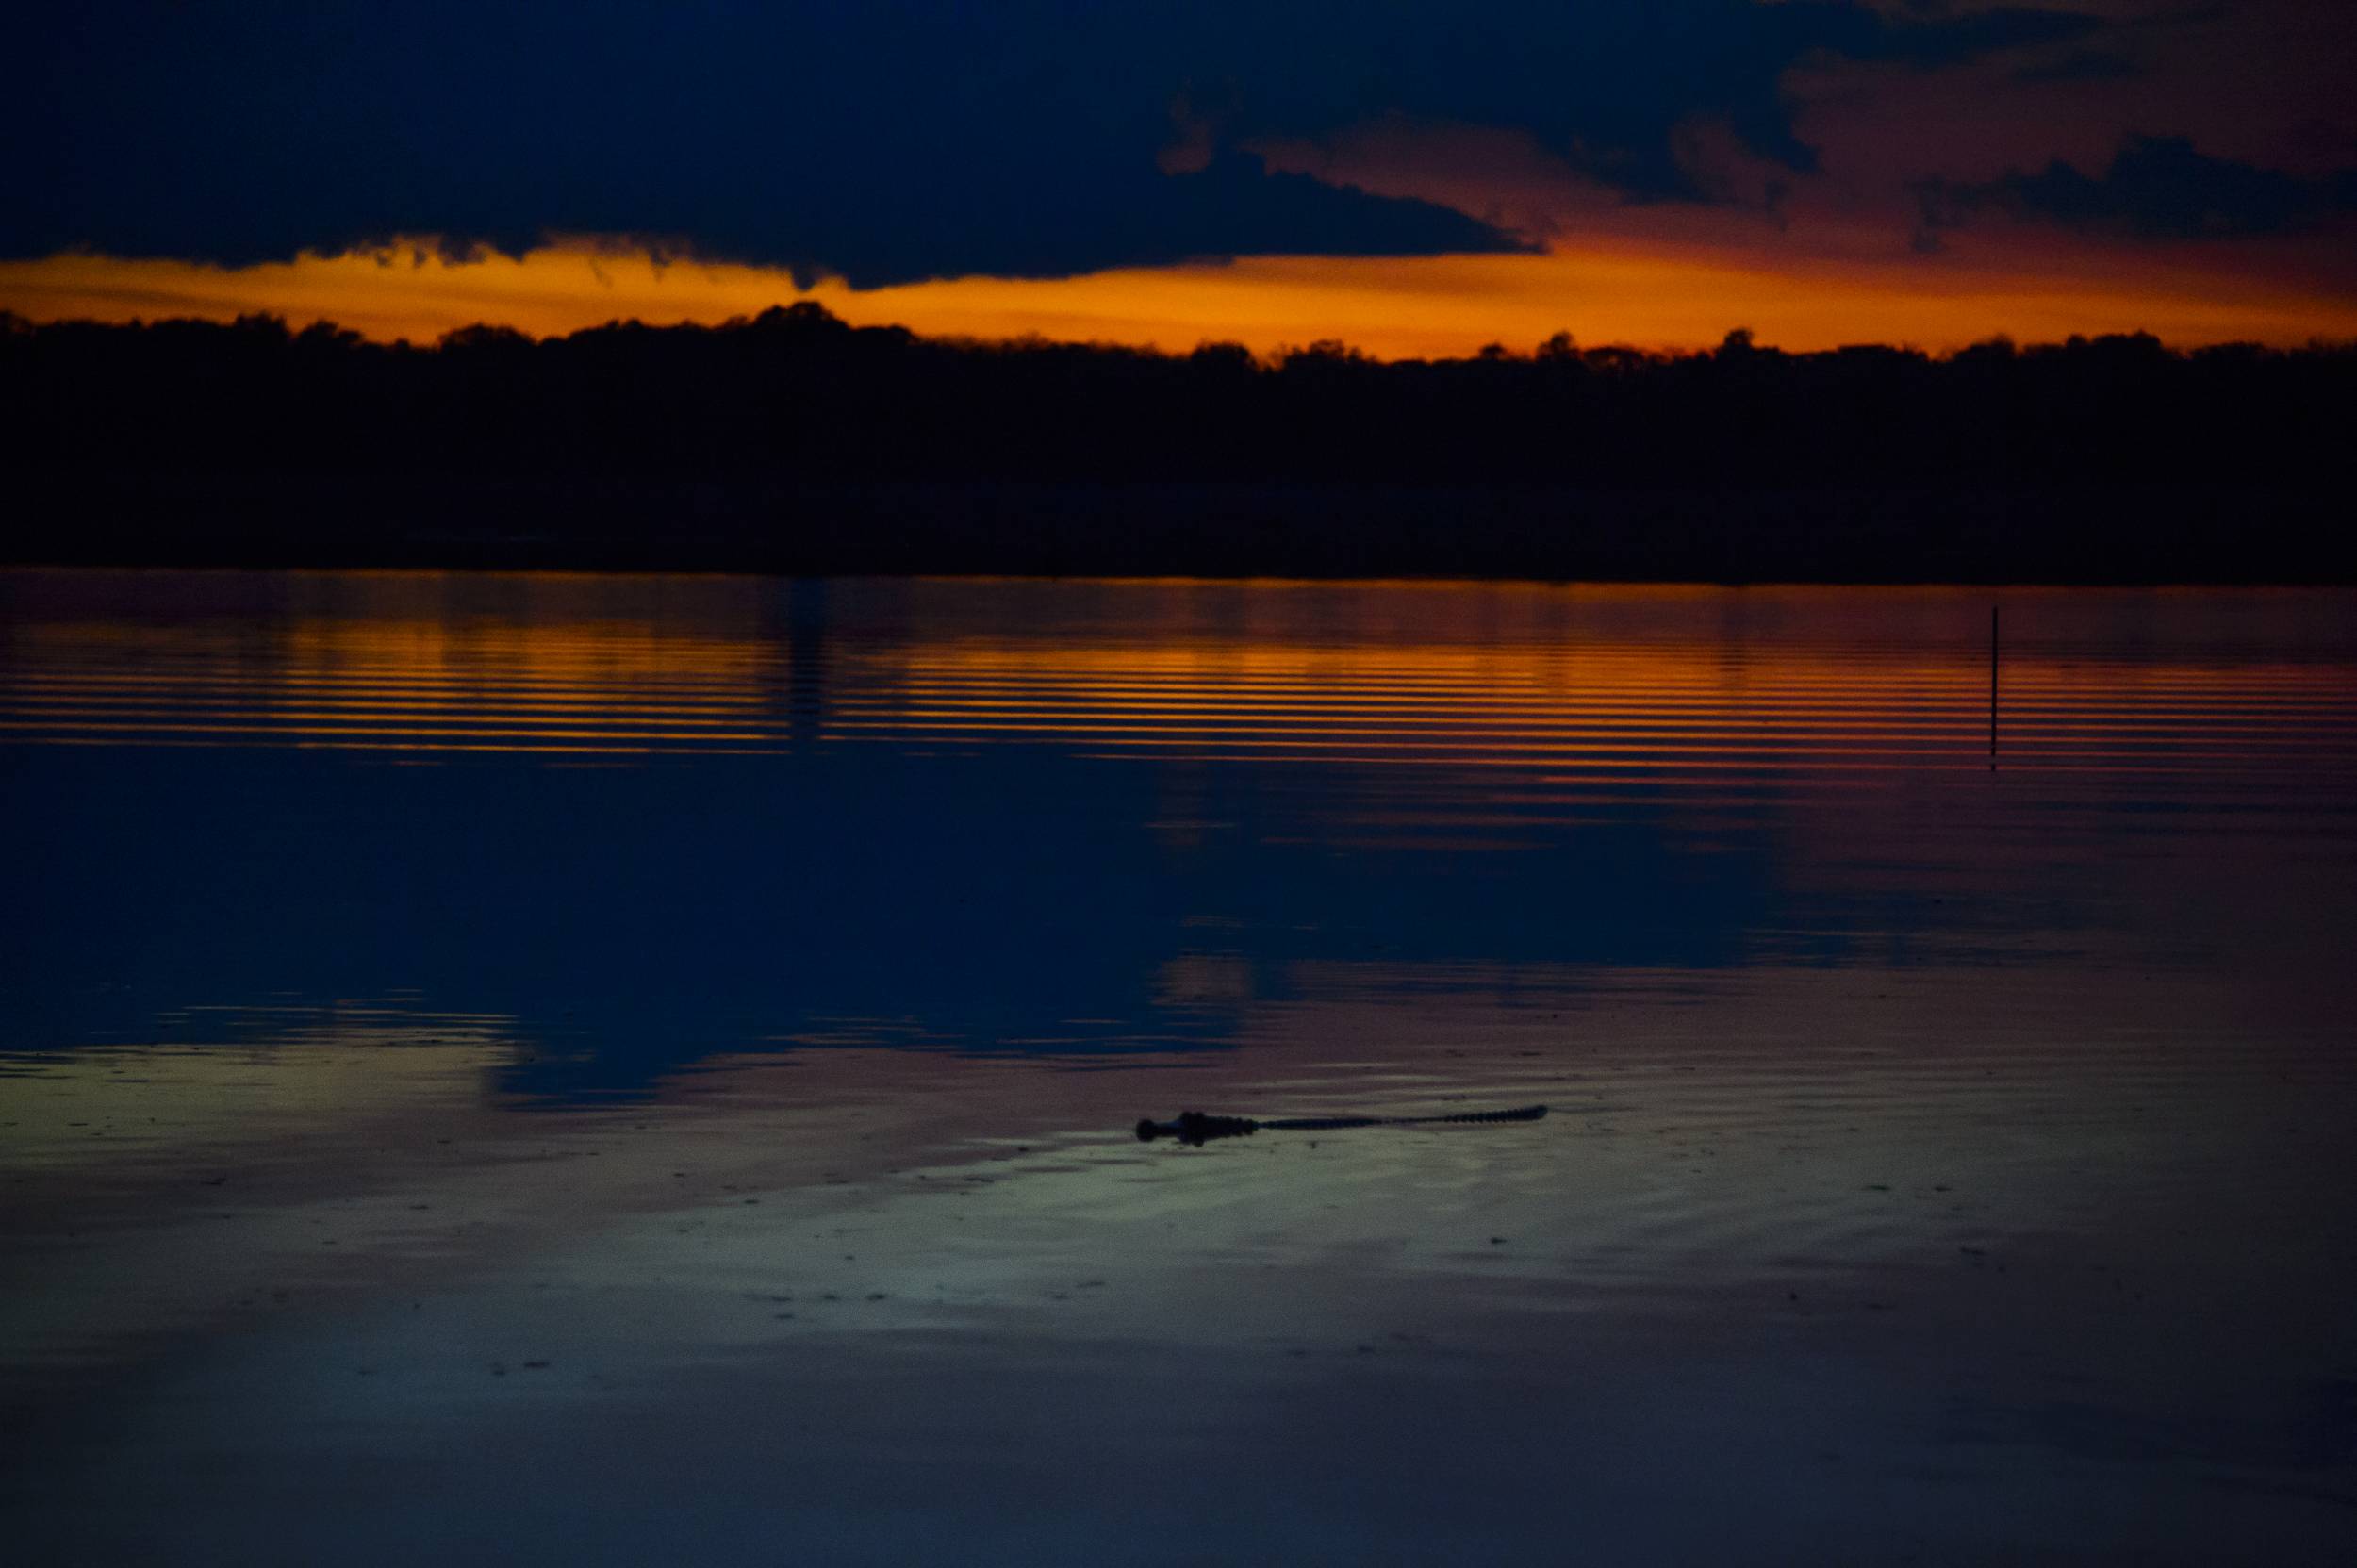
{"x": 1604, "y": 681}
{"x": 405, "y": 662}
{"x": 1683, "y": 704}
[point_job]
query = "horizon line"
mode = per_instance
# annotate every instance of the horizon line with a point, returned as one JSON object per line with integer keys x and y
{"x": 1660, "y": 300}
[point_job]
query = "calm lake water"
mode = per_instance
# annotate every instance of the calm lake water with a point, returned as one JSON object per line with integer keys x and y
{"x": 519, "y": 1069}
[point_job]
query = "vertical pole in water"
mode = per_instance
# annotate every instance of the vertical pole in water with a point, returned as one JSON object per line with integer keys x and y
{"x": 1992, "y": 688}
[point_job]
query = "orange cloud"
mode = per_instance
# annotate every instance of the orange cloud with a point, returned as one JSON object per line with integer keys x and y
{"x": 1652, "y": 292}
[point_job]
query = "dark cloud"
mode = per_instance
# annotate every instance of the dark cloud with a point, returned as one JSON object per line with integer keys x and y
{"x": 1605, "y": 84}
{"x": 885, "y": 140}
{"x": 1942, "y": 38}
{"x": 2156, "y": 188}
{"x": 2082, "y": 65}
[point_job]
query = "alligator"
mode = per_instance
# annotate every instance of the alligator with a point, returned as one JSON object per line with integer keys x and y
{"x": 1196, "y": 1128}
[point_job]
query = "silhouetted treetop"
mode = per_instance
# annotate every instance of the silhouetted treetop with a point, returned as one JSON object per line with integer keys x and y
{"x": 795, "y": 393}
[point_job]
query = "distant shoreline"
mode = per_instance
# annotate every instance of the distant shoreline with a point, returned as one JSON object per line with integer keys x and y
{"x": 796, "y": 444}
{"x": 2075, "y": 535}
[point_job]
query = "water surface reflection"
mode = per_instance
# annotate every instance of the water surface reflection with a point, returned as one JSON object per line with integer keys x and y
{"x": 467, "y": 1015}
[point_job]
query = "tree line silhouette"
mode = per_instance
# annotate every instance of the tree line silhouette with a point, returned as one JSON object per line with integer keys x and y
{"x": 792, "y": 442}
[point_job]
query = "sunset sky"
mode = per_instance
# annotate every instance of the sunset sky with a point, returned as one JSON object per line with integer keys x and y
{"x": 1414, "y": 179}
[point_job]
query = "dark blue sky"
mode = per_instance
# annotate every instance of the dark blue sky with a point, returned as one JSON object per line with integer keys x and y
{"x": 892, "y": 140}
{"x": 1412, "y": 176}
